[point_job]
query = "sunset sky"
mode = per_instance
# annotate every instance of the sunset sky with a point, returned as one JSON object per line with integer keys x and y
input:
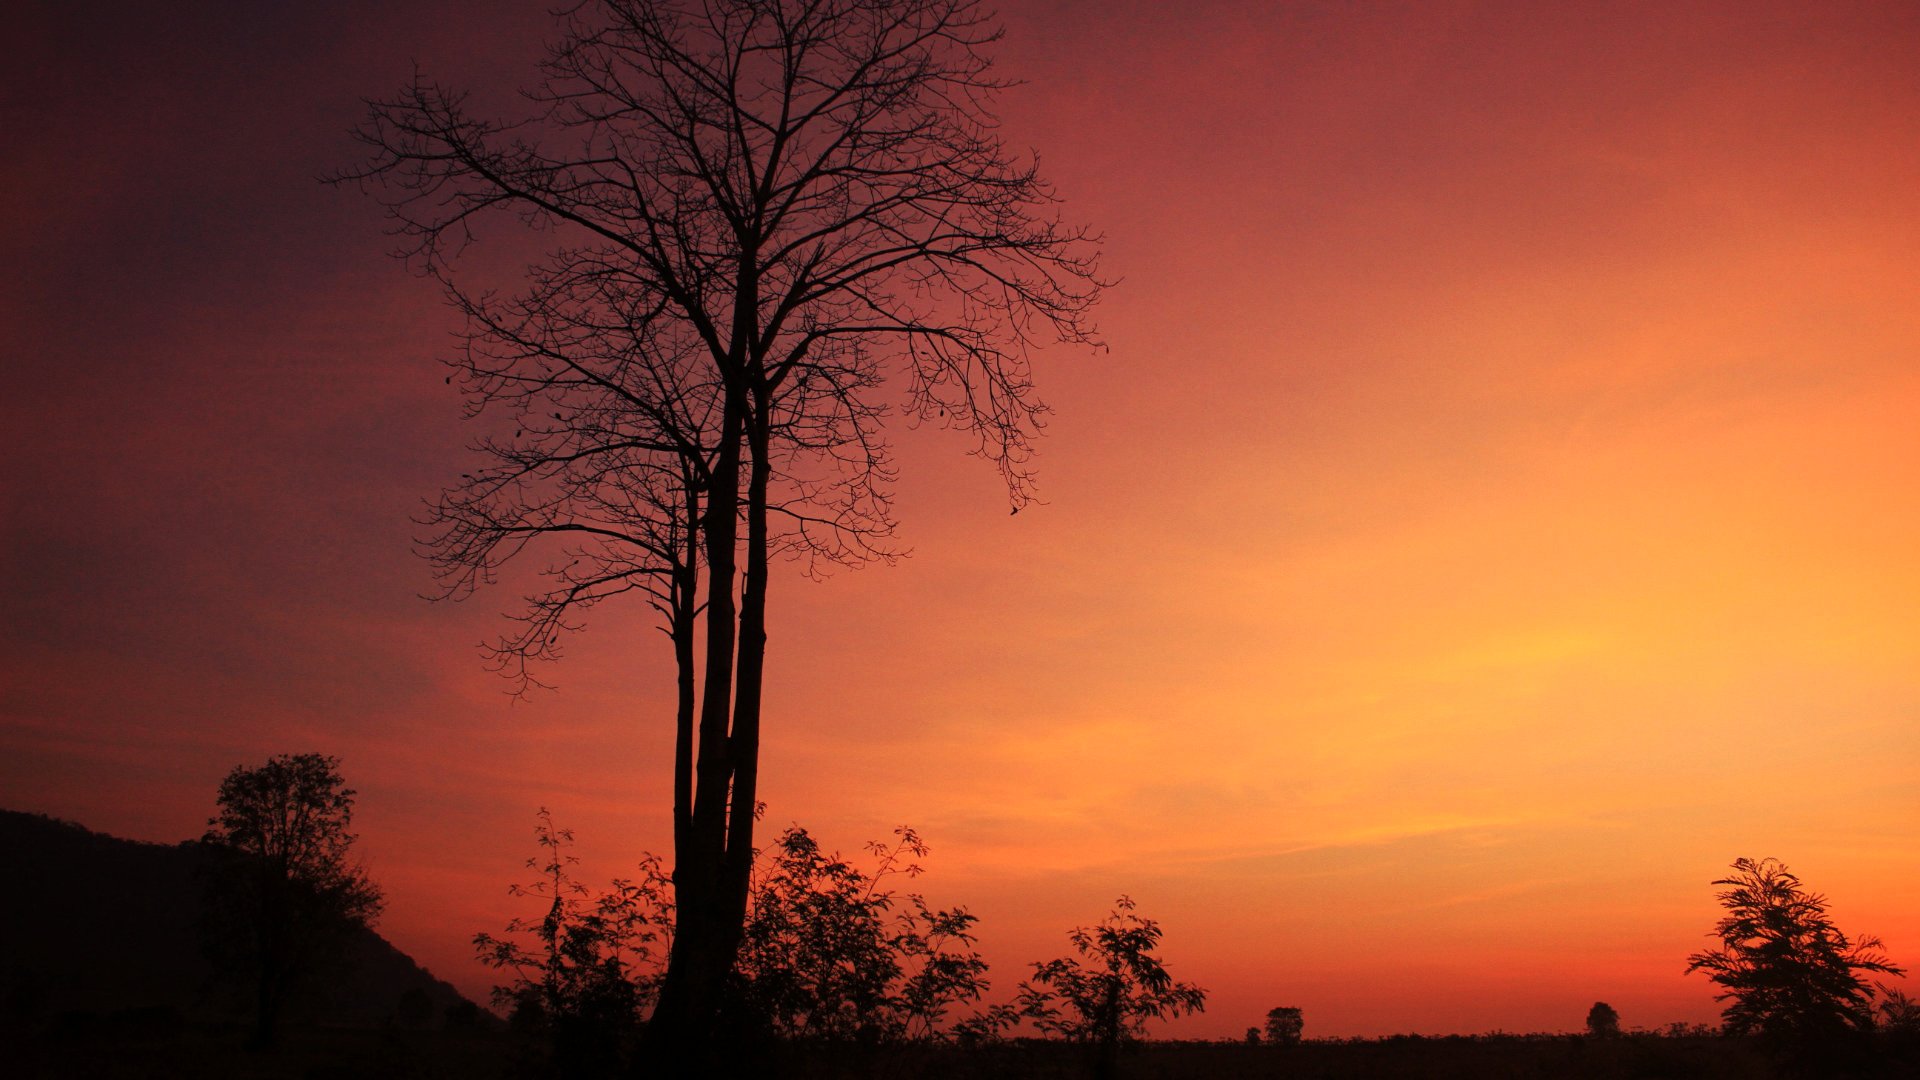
{"x": 1497, "y": 509}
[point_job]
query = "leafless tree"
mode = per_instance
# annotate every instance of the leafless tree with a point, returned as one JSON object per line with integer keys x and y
{"x": 772, "y": 222}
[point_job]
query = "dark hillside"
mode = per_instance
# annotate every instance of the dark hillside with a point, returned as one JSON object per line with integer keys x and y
{"x": 92, "y": 924}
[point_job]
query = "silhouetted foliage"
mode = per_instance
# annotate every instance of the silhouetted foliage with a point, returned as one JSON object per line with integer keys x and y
{"x": 1790, "y": 974}
{"x": 830, "y": 954}
{"x": 1602, "y": 1021}
{"x": 1896, "y": 1012}
{"x": 281, "y": 893}
{"x": 585, "y": 971}
{"x": 1284, "y": 1025}
{"x": 766, "y": 218}
{"x": 1110, "y": 988}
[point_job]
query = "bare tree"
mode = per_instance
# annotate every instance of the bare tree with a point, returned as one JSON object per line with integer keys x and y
{"x": 773, "y": 220}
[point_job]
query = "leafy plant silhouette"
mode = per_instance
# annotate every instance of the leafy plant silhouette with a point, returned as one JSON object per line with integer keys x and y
{"x": 829, "y": 953}
{"x": 1790, "y": 974}
{"x": 1108, "y": 991}
{"x": 592, "y": 965}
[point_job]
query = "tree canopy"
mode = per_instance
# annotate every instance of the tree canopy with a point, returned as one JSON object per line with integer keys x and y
{"x": 1789, "y": 972}
{"x": 282, "y": 886}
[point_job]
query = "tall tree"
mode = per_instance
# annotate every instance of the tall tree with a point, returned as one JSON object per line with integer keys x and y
{"x": 282, "y": 888}
{"x": 1790, "y": 974}
{"x": 769, "y": 219}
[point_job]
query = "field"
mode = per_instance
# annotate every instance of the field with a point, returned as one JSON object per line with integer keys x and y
{"x": 136, "y": 1047}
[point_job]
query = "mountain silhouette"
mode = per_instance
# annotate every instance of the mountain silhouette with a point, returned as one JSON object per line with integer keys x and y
{"x": 92, "y": 925}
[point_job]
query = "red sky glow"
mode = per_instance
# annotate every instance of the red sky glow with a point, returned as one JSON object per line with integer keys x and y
{"x": 1494, "y": 513}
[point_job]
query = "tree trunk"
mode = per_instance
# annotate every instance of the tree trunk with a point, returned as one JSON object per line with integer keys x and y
{"x": 1106, "y": 1063}
{"x": 738, "y": 870}
{"x": 684, "y": 603}
{"x": 702, "y": 948}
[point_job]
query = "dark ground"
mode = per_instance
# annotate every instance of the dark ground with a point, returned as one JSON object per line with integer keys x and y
{"x": 139, "y": 1047}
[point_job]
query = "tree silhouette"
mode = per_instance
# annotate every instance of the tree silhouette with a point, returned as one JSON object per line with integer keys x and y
{"x": 1602, "y": 1021}
{"x": 1790, "y": 974}
{"x": 280, "y": 888}
{"x": 1896, "y": 1012}
{"x": 1110, "y": 989}
{"x": 766, "y": 216}
{"x": 1284, "y": 1025}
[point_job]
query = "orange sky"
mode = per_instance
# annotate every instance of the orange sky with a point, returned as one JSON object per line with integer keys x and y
{"x": 1494, "y": 515}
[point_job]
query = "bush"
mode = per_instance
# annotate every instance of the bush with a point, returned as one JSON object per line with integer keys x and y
{"x": 592, "y": 966}
{"x": 829, "y": 954}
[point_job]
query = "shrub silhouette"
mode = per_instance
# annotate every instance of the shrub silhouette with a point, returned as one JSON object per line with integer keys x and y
{"x": 592, "y": 966}
{"x": 829, "y": 954}
{"x": 1110, "y": 989}
{"x": 1602, "y": 1021}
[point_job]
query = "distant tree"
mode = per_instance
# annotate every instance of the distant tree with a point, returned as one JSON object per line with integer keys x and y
{"x": 1790, "y": 974}
{"x": 1253, "y": 1036}
{"x": 584, "y": 972}
{"x": 281, "y": 891}
{"x": 1110, "y": 989}
{"x": 769, "y": 224}
{"x": 1284, "y": 1025}
{"x": 1602, "y": 1021}
{"x": 1896, "y": 1012}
